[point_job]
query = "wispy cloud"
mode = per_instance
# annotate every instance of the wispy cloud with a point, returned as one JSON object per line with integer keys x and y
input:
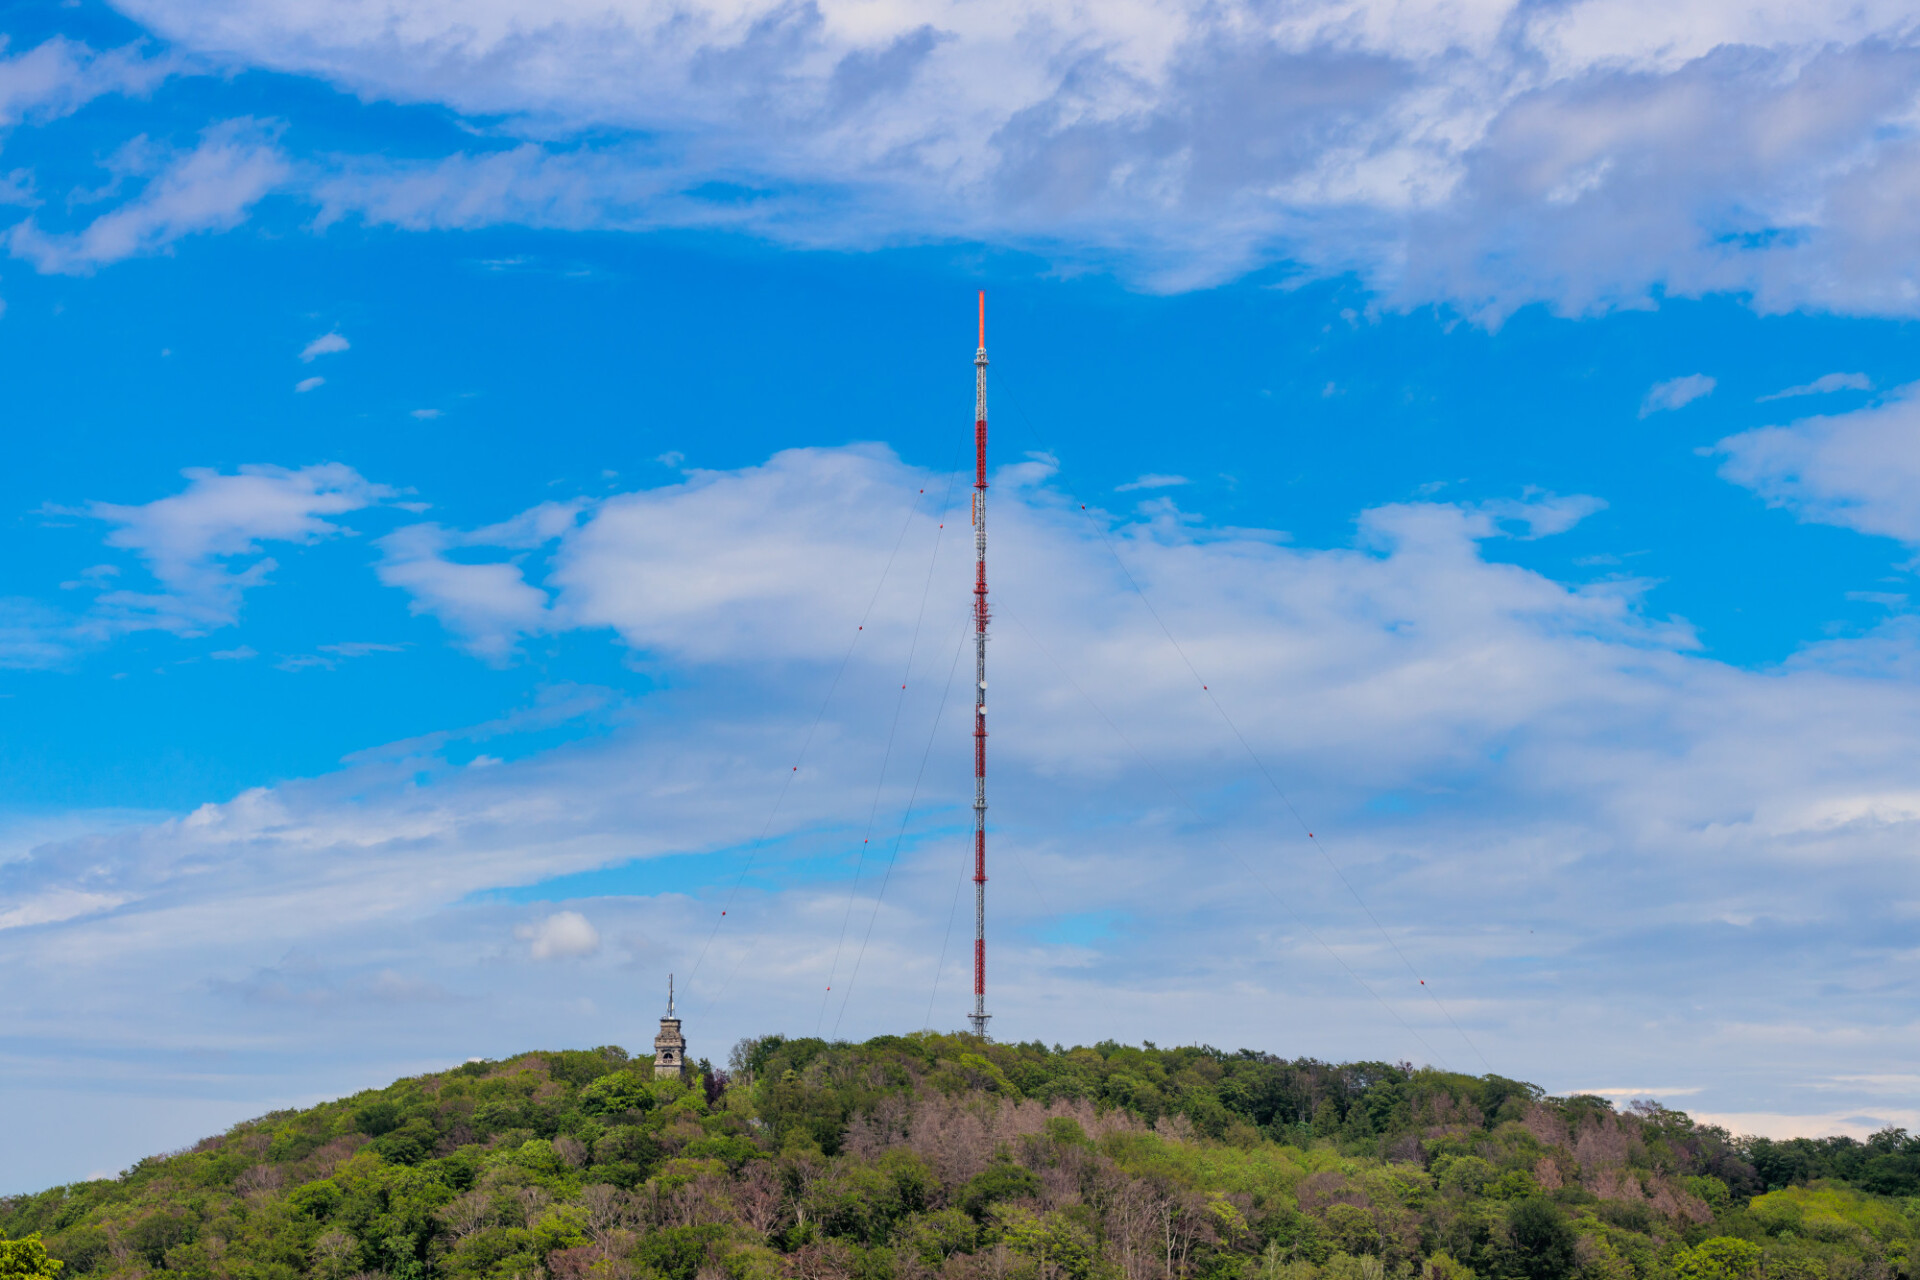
{"x": 1860, "y": 470}
{"x": 325, "y": 344}
{"x": 1823, "y": 385}
{"x": 59, "y": 76}
{"x": 205, "y": 545}
{"x": 490, "y": 606}
{"x": 1542, "y": 515}
{"x": 330, "y": 656}
{"x": 32, "y": 635}
{"x": 210, "y": 188}
{"x": 1151, "y": 481}
{"x": 1676, "y": 393}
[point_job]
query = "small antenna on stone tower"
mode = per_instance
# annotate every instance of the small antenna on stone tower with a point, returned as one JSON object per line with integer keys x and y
{"x": 669, "y": 1047}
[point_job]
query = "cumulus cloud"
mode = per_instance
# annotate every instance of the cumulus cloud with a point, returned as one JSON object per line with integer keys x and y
{"x": 1823, "y": 385}
{"x": 1676, "y": 393}
{"x": 308, "y": 384}
{"x": 1859, "y": 470}
{"x": 204, "y": 544}
{"x": 325, "y": 344}
{"x": 211, "y": 188}
{"x": 564, "y": 933}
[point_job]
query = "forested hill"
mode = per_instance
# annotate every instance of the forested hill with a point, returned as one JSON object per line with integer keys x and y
{"x": 910, "y": 1158}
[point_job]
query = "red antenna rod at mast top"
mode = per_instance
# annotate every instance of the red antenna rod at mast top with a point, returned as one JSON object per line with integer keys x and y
{"x": 980, "y": 1015}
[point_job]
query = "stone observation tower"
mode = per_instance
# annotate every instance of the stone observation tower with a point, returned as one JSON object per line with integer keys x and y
{"x": 669, "y": 1047}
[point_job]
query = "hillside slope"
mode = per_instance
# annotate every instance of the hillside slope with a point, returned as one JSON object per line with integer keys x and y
{"x": 907, "y": 1158}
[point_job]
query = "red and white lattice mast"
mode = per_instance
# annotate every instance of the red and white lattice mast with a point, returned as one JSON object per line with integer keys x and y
{"x": 980, "y": 1015}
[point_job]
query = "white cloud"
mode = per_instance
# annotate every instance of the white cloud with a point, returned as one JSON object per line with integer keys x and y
{"x": 1718, "y": 855}
{"x": 425, "y": 415}
{"x": 55, "y": 906}
{"x": 325, "y": 344}
{"x": 308, "y": 384}
{"x": 564, "y": 933}
{"x": 332, "y": 655}
{"x": 1544, "y": 514}
{"x": 59, "y": 76}
{"x": 240, "y": 654}
{"x": 1151, "y": 481}
{"x": 204, "y": 544}
{"x": 1591, "y": 155}
{"x": 1861, "y": 1124}
{"x": 1824, "y": 384}
{"x": 210, "y": 188}
{"x": 1860, "y": 470}
{"x": 35, "y": 636}
{"x": 490, "y": 606}
{"x": 1676, "y": 393}
{"x": 361, "y": 648}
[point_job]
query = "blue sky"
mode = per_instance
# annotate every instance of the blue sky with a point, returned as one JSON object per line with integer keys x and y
{"x": 454, "y": 447}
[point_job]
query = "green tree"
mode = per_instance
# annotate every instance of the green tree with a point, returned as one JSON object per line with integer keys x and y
{"x": 1352, "y": 1229}
{"x": 26, "y": 1259}
{"x": 1718, "y": 1258}
{"x": 616, "y": 1093}
{"x": 1540, "y": 1243}
{"x": 1465, "y": 1174}
{"x": 1056, "y": 1248}
{"x": 1002, "y": 1180}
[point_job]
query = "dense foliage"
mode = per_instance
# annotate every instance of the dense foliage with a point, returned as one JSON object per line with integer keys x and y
{"x": 911, "y": 1158}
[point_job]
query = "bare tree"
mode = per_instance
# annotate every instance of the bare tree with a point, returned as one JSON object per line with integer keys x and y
{"x": 468, "y": 1214}
{"x": 532, "y": 1201}
{"x": 760, "y": 1198}
{"x": 331, "y": 1253}
{"x": 261, "y": 1179}
{"x": 608, "y": 1209}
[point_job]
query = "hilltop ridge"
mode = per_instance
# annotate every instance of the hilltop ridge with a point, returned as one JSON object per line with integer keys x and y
{"x": 922, "y": 1156}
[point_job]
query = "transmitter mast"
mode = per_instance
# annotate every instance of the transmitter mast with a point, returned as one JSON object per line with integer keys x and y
{"x": 980, "y": 1015}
